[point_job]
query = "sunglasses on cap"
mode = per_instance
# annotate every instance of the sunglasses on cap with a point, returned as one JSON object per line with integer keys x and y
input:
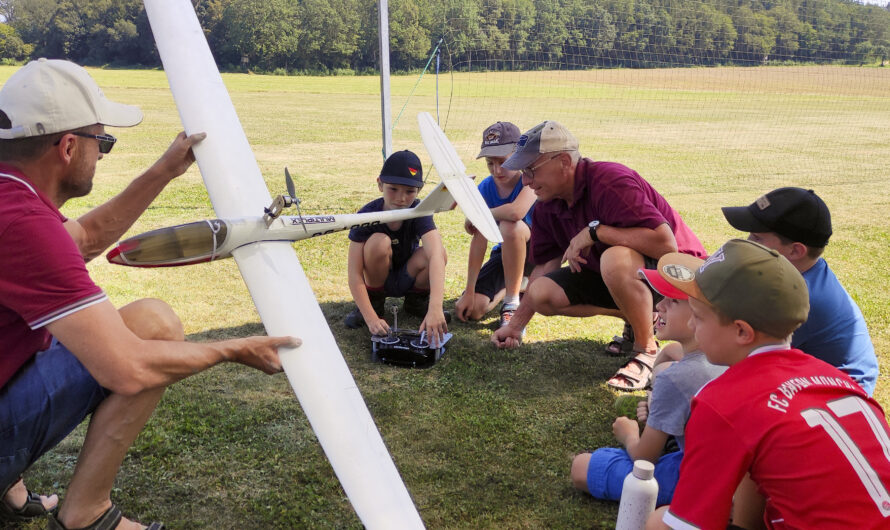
{"x": 106, "y": 141}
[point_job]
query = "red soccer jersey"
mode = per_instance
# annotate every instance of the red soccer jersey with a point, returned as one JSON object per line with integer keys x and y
{"x": 816, "y": 445}
{"x": 43, "y": 276}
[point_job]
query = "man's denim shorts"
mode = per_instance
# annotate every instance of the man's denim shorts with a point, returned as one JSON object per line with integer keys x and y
{"x": 41, "y": 405}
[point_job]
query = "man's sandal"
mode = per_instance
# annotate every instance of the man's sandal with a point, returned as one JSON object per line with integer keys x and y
{"x": 623, "y": 344}
{"x": 107, "y": 521}
{"x": 629, "y": 380}
{"x": 32, "y": 508}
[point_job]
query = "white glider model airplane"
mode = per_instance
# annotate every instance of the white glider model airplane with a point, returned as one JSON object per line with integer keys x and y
{"x": 214, "y": 239}
{"x": 270, "y": 268}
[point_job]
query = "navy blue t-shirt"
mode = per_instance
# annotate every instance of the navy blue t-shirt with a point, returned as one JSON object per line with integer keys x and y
{"x": 405, "y": 240}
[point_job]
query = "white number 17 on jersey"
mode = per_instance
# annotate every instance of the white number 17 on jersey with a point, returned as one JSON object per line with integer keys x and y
{"x": 844, "y": 407}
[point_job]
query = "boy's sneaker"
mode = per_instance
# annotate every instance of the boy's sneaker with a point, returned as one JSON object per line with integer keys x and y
{"x": 355, "y": 320}
{"x": 507, "y": 311}
{"x": 417, "y": 303}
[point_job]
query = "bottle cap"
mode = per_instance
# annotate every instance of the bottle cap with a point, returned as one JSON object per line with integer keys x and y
{"x": 644, "y": 469}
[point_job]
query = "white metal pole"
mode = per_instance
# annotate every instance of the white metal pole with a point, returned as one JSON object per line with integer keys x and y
{"x": 385, "y": 109}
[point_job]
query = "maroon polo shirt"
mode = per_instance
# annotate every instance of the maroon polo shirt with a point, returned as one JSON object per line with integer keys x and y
{"x": 43, "y": 276}
{"x": 613, "y": 194}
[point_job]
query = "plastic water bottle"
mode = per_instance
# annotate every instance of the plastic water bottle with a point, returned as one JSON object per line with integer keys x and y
{"x": 637, "y": 497}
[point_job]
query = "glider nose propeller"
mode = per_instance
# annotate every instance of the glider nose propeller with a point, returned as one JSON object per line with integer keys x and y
{"x": 284, "y": 201}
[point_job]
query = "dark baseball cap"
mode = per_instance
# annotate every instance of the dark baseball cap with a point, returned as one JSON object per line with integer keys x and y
{"x": 795, "y": 213}
{"x": 402, "y": 167}
{"x": 746, "y": 281}
{"x": 499, "y": 140}
{"x": 546, "y": 137}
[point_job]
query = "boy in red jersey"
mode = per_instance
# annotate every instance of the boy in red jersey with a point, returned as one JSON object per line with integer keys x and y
{"x": 813, "y": 442}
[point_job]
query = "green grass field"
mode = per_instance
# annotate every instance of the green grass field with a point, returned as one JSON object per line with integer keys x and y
{"x": 484, "y": 439}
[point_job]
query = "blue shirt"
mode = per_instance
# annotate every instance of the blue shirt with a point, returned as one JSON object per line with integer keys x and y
{"x": 489, "y": 191}
{"x": 835, "y": 330}
{"x": 405, "y": 240}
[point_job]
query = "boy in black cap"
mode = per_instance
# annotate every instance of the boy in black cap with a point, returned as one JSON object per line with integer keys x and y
{"x": 511, "y": 205}
{"x": 388, "y": 260}
{"x": 797, "y": 224}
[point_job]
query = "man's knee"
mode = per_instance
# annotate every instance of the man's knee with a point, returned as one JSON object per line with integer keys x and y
{"x": 547, "y": 296}
{"x": 620, "y": 264}
{"x": 152, "y": 319}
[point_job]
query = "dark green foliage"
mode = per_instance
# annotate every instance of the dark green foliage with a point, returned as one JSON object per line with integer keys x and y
{"x": 323, "y": 36}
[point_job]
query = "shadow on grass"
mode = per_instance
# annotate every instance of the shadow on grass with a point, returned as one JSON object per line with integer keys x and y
{"x": 535, "y": 369}
{"x": 481, "y": 428}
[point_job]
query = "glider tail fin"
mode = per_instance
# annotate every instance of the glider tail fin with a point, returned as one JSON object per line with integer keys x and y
{"x": 439, "y": 200}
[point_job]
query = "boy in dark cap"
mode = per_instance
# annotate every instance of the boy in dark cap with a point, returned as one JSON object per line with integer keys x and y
{"x": 810, "y": 438}
{"x": 388, "y": 260}
{"x": 511, "y": 205}
{"x": 797, "y": 224}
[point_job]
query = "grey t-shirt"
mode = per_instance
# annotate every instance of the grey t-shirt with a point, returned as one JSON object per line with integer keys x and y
{"x": 673, "y": 391}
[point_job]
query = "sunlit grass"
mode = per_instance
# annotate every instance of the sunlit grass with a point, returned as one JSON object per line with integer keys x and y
{"x": 484, "y": 438}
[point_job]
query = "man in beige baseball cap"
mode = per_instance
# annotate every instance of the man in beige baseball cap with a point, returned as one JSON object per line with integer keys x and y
{"x": 50, "y": 96}
{"x": 65, "y": 351}
{"x": 606, "y": 222}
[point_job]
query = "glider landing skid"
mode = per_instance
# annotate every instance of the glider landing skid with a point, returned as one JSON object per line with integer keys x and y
{"x": 406, "y": 347}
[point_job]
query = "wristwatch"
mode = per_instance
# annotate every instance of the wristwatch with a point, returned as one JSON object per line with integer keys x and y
{"x": 591, "y": 227}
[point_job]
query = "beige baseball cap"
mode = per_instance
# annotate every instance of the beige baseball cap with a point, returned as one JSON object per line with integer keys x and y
{"x": 744, "y": 281}
{"x": 49, "y": 95}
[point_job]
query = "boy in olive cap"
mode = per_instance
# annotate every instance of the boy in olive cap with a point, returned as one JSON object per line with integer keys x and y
{"x": 511, "y": 205}
{"x": 813, "y": 442}
{"x": 797, "y": 224}
{"x": 388, "y": 260}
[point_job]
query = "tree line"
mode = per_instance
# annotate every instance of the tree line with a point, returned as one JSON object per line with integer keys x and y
{"x": 323, "y": 36}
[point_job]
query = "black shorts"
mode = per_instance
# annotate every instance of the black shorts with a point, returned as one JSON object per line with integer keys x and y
{"x": 491, "y": 276}
{"x": 588, "y": 288}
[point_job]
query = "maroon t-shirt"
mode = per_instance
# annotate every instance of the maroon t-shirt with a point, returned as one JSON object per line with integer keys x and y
{"x": 43, "y": 276}
{"x": 613, "y": 194}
